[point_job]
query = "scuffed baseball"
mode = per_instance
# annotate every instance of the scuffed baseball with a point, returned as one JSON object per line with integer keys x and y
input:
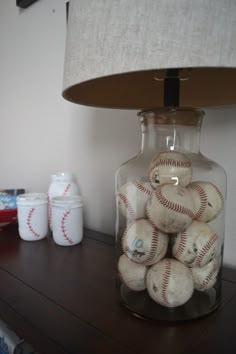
{"x": 132, "y": 198}
{"x": 197, "y": 245}
{"x": 170, "y": 167}
{"x": 205, "y": 278}
{"x": 170, "y": 283}
{"x": 143, "y": 243}
{"x": 208, "y": 200}
{"x": 170, "y": 208}
{"x": 133, "y": 275}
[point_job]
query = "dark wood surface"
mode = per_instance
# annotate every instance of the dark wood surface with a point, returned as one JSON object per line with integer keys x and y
{"x": 63, "y": 300}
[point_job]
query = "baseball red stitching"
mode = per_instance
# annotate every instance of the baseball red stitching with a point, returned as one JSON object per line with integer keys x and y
{"x": 66, "y": 189}
{"x": 166, "y": 278}
{"x": 172, "y": 206}
{"x": 182, "y": 245}
{"x": 28, "y": 221}
{"x": 218, "y": 192}
{"x": 63, "y": 227}
{"x": 127, "y": 203}
{"x": 124, "y": 236}
{"x": 49, "y": 210}
{"x": 172, "y": 162}
{"x": 209, "y": 277}
{"x": 169, "y": 162}
{"x": 205, "y": 249}
{"x": 149, "y": 217}
{"x": 203, "y": 199}
{"x": 142, "y": 188}
{"x": 154, "y": 247}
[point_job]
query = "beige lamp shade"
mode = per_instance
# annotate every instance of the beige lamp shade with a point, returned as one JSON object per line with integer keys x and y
{"x": 117, "y": 52}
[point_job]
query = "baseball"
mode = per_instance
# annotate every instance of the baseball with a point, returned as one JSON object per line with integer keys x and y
{"x": 170, "y": 167}
{"x": 170, "y": 208}
{"x": 205, "y": 278}
{"x": 208, "y": 200}
{"x": 132, "y": 198}
{"x": 133, "y": 275}
{"x": 143, "y": 243}
{"x": 196, "y": 246}
{"x": 170, "y": 283}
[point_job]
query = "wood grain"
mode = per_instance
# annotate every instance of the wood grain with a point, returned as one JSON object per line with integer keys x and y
{"x": 68, "y": 296}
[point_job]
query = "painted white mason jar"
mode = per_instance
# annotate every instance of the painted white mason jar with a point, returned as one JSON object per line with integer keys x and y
{"x": 67, "y": 220}
{"x": 32, "y": 214}
{"x": 62, "y": 184}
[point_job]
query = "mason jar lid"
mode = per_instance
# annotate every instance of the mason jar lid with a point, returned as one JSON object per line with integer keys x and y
{"x": 72, "y": 201}
{"x": 62, "y": 177}
{"x": 29, "y": 199}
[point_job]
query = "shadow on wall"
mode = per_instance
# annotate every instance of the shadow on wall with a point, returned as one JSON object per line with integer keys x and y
{"x": 101, "y": 140}
{"x": 218, "y": 133}
{"x": 218, "y": 143}
{"x": 115, "y": 133}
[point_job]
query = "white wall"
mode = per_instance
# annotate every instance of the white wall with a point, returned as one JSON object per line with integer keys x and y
{"x": 41, "y": 133}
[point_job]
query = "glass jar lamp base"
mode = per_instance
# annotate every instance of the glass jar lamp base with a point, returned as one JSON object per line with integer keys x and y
{"x": 170, "y": 221}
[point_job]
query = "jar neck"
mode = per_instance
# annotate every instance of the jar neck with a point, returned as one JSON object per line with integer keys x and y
{"x": 62, "y": 177}
{"x": 171, "y": 129}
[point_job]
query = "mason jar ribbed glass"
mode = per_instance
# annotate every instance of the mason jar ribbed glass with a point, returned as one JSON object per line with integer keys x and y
{"x": 170, "y": 221}
{"x": 62, "y": 184}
